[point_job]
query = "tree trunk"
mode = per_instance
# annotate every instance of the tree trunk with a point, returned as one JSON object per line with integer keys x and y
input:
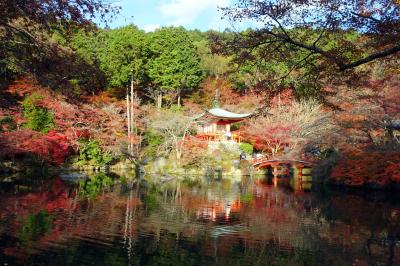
{"x": 128, "y": 113}
{"x": 159, "y": 101}
{"x": 132, "y": 117}
{"x": 179, "y": 100}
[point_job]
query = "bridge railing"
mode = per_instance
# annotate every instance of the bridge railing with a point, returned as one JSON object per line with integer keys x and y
{"x": 274, "y": 161}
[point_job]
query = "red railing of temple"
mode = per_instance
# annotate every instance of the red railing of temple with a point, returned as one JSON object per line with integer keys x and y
{"x": 219, "y": 137}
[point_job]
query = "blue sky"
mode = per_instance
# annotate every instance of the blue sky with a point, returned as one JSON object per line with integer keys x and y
{"x": 192, "y": 14}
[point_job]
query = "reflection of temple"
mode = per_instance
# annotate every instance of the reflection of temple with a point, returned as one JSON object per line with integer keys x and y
{"x": 217, "y": 211}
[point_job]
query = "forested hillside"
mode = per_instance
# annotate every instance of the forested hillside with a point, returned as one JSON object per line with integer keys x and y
{"x": 312, "y": 90}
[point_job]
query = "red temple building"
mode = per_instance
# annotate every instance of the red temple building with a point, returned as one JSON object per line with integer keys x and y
{"x": 215, "y": 124}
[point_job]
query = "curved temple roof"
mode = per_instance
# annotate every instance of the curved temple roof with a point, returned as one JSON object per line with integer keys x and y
{"x": 218, "y": 112}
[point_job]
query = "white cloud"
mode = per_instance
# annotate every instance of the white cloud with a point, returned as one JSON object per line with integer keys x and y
{"x": 151, "y": 27}
{"x": 184, "y": 12}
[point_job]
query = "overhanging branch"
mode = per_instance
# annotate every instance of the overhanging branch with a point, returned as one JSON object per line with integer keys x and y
{"x": 370, "y": 58}
{"x": 337, "y": 60}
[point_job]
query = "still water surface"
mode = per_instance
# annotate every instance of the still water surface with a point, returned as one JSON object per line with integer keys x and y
{"x": 112, "y": 220}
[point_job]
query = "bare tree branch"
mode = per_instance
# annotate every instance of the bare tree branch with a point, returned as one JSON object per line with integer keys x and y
{"x": 371, "y": 57}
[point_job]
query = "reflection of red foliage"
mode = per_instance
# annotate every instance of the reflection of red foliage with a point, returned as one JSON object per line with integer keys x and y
{"x": 52, "y": 197}
{"x": 14, "y": 252}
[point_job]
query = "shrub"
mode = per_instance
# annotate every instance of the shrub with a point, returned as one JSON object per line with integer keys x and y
{"x": 90, "y": 152}
{"x": 152, "y": 140}
{"x": 194, "y": 153}
{"x": 246, "y": 147}
{"x": 8, "y": 123}
{"x": 236, "y": 126}
{"x": 176, "y": 108}
{"x": 38, "y": 118}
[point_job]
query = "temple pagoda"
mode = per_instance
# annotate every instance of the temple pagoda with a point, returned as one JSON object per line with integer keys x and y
{"x": 215, "y": 124}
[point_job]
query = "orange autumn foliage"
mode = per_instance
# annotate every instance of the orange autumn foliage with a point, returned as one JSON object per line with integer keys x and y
{"x": 193, "y": 151}
{"x": 53, "y": 147}
{"x": 379, "y": 169}
{"x": 100, "y": 117}
{"x": 229, "y": 98}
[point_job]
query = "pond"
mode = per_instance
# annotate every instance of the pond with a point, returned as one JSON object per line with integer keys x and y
{"x": 108, "y": 219}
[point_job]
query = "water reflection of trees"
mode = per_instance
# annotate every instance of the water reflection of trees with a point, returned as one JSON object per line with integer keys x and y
{"x": 140, "y": 222}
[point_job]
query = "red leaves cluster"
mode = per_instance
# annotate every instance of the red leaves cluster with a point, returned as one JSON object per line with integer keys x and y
{"x": 53, "y": 147}
{"x": 285, "y": 97}
{"x": 228, "y": 98}
{"x": 193, "y": 142}
{"x": 361, "y": 124}
{"x": 59, "y": 147}
{"x": 194, "y": 151}
{"x": 103, "y": 121}
{"x": 363, "y": 110}
{"x": 272, "y": 139}
{"x": 376, "y": 168}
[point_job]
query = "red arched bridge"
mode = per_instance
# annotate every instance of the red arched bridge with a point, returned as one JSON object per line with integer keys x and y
{"x": 265, "y": 162}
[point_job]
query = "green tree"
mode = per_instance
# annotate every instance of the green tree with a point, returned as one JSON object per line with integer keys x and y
{"x": 91, "y": 153}
{"x": 122, "y": 53}
{"x": 212, "y": 64}
{"x": 85, "y": 44}
{"x": 25, "y": 27}
{"x": 174, "y": 65}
